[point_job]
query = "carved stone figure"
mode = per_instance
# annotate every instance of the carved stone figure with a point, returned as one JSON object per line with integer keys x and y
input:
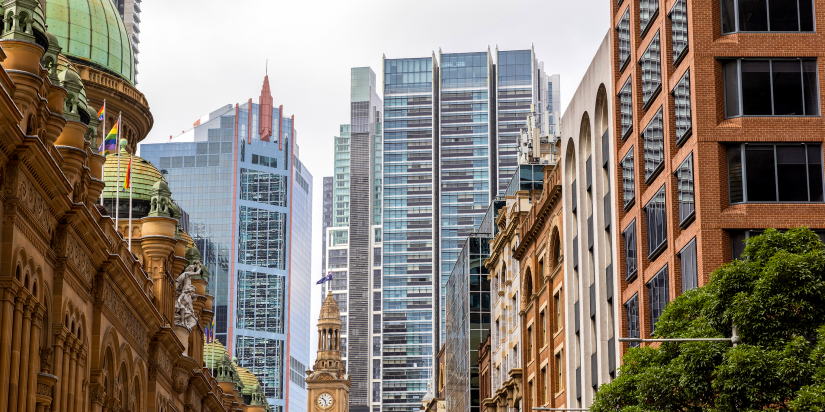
{"x": 184, "y": 312}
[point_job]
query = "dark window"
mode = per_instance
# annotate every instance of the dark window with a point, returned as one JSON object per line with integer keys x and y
{"x": 767, "y": 15}
{"x": 626, "y": 103}
{"x": 651, "y": 63}
{"x": 656, "y": 223}
{"x": 658, "y": 297}
{"x": 684, "y": 185}
{"x": 628, "y": 179}
{"x": 679, "y": 27}
{"x": 681, "y": 97}
{"x": 771, "y": 88}
{"x": 629, "y": 235}
{"x": 632, "y": 307}
{"x": 623, "y": 31}
{"x": 654, "y": 142}
{"x": 690, "y": 266}
{"x": 647, "y": 13}
{"x": 775, "y": 173}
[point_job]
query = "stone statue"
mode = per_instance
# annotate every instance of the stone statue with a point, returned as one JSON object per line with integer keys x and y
{"x": 184, "y": 312}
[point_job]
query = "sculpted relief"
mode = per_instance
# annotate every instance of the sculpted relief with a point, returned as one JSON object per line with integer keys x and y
{"x": 184, "y": 311}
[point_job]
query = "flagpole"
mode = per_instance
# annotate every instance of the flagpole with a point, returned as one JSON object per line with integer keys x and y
{"x": 103, "y": 143}
{"x": 117, "y": 187}
{"x": 130, "y": 202}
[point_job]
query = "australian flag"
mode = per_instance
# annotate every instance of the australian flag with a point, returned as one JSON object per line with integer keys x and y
{"x": 324, "y": 279}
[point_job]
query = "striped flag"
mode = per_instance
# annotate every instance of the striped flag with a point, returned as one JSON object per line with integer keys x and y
{"x": 127, "y": 183}
{"x": 102, "y": 112}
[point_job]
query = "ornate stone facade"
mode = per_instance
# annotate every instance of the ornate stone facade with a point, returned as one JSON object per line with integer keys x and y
{"x": 84, "y": 325}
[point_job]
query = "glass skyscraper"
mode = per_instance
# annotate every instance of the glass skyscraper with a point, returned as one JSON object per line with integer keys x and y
{"x": 354, "y": 240}
{"x": 451, "y": 140}
{"x": 249, "y": 199}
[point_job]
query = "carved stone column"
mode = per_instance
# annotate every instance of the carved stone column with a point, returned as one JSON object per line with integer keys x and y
{"x": 35, "y": 360}
{"x": 79, "y": 378}
{"x": 97, "y": 396}
{"x": 70, "y": 394}
{"x": 14, "y": 371}
{"x": 62, "y": 400}
{"x": 45, "y": 385}
{"x": 5, "y": 345}
{"x": 23, "y": 399}
{"x": 59, "y": 341}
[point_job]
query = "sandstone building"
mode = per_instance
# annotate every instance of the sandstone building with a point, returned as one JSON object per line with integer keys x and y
{"x": 86, "y": 324}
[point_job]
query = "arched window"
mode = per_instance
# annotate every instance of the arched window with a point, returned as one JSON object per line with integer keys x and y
{"x": 528, "y": 285}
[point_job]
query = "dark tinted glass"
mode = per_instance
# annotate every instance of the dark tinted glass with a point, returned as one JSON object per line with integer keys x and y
{"x": 753, "y": 15}
{"x": 728, "y": 16}
{"x": 810, "y": 88}
{"x": 815, "y": 172}
{"x": 806, "y": 15}
{"x": 732, "y": 89}
{"x": 756, "y": 88}
{"x": 784, "y": 15}
{"x": 690, "y": 269}
{"x": 760, "y": 174}
{"x": 787, "y": 88}
{"x": 791, "y": 174}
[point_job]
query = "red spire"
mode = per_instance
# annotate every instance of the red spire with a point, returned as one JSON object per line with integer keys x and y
{"x": 265, "y": 111}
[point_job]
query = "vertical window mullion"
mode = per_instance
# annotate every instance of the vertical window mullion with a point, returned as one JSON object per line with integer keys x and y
{"x": 768, "y": 9}
{"x": 799, "y": 24}
{"x": 801, "y": 74}
{"x": 776, "y": 172}
{"x": 736, "y": 14}
{"x": 739, "y": 81}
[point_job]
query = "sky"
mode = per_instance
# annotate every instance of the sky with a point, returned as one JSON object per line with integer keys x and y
{"x": 199, "y": 55}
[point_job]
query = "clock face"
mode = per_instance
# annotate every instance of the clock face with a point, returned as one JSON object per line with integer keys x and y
{"x": 325, "y": 400}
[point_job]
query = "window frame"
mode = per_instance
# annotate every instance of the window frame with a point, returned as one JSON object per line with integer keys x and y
{"x": 770, "y": 61}
{"x": 657, "y": 38}
{"x": 653, "y": 16}
{"x": 660, "y": 308}
{"x": 680, "y": 140}
{"x": 677, "y": 59}
{"x": 653, "y": 251}
{"x": 624, "y": 64}
{"x": 654, "y": 172}
{"x": 688, "y": 219}
{"x": 634, "y": 300}
{"x": 736, "y": 20}
{"x": 630, "y": 159}
{"x": 743, "y": 146}
{"x": 628, "y": 84}
{"x": 694, "y": 276}
{"x": 629, "y": 276}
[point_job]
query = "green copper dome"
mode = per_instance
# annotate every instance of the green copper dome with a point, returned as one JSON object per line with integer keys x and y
{"x": 91, "y": 31}
{"x": 144, "y": 175}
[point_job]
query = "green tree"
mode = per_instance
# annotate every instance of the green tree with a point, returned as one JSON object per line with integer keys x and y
{"x": 775, "y": 295}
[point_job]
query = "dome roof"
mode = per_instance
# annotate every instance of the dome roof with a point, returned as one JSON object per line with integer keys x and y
{"x": 213, "y": 351}
{"x": 144, "y": 175}
{"x": 91, "y": 31}
{"x": 248, "y": 379}
{"x": 329, "y": 309}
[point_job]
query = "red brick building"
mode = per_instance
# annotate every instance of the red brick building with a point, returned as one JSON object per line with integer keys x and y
{"x": 718, "y": 135}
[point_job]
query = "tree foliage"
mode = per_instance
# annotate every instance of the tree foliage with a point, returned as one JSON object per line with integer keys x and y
{"x": 775, "y": 295}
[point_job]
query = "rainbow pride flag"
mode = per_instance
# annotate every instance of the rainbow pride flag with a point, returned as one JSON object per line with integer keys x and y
{"x": 102, "y": 111}
{"x": 110, "y": 143}
{"x": 128, "y": 182}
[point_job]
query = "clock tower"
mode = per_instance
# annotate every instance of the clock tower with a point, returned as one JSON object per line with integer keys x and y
{"x": 327, "y": 382}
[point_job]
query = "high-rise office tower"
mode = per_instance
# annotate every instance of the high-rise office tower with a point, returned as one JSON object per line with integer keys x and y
{"x": 130, "y": 13}
{"x": 553, "y": 102}
{"x": 354, "y": 240}
{"x": 249, "y": 199}
{"x": 451, "y": 141}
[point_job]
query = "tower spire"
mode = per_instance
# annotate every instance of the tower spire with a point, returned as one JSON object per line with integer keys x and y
{"x": 265, "y": 109}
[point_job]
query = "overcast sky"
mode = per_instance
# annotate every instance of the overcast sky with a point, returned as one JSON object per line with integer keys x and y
{"x": 198, "y": 55}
